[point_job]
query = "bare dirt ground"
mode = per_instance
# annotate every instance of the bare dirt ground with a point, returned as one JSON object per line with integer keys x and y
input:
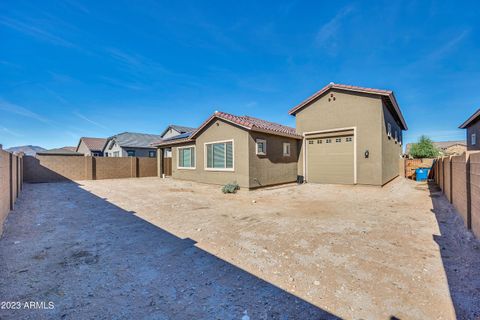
{"x": 165, "y": 249}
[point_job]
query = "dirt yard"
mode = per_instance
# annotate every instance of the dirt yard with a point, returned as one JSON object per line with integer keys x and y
{"x": 163, "y": 249}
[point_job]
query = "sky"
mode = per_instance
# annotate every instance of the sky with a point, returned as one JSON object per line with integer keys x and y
{"x": 76, "y": 68}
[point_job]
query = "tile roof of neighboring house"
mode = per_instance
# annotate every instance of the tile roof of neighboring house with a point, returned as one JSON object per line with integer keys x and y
{"x": 472, "y": 118}
{"x": 60, "y": 152}
{"x": 246, "y": 122}
{"x": 135, "y": 140}
{"x": 439, "y": 144}
{"x": 181, "y": 129}
{"x": 93, "y": 144}
{"x": 384, "y": 93}
{"x": 74, "y": 149}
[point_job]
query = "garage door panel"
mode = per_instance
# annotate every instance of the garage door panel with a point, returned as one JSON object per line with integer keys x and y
{"x": 330, "y": 162}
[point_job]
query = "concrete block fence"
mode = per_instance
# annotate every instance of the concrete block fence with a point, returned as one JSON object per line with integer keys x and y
{"x": 459, "y": 179}
{"x": 11, "y": 182}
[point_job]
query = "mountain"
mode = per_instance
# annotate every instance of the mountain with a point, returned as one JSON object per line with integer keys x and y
{"x": 28, "y": 150}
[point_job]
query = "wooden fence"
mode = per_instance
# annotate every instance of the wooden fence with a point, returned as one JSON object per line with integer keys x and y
{"x": 459, "y": 179}
{"x": 11, "y": 182}
{"x": 52, "y": 168}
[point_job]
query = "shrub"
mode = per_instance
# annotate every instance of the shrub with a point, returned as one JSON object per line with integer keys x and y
{"x": 230, "y": 188}
{"x": 424, "y": 148}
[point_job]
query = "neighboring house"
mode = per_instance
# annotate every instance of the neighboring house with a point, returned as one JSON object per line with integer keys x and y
{"x": 173, "y": 131}
{"x": 58, "y": 152}
{"x": 446, "y": 148}
{"x": 351, "y": 135}
{"x": 131, "y": 144}
{"x": 228, "y": 148}
{"x": 473, "y": 131}
{"x": 91, "y": 146}
{"x": 344, "y": 135}
{"x": 74, "y": 149}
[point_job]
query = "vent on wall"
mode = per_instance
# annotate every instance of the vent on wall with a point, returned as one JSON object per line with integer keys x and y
{"x": 331, "y": 98}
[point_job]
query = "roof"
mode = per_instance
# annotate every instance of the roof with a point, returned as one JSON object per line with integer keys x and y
{"x": 387, "y": 94}
{"x": 181, "y": 129}
{"x": 440, "y": 145}
{"x": 74, "y": 149}
{"x": 135, "y": 140}
{"x": 252, "y": 124}
{"x": 246, "y": 122}
{"x": 93, "y": 144}
{"x": 470, "y": 120}
{"x": 60, "y": 152}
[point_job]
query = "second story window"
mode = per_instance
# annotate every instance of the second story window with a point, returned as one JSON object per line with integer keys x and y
{"x": 474, "y": 139}
{"x": 131, "y": 153}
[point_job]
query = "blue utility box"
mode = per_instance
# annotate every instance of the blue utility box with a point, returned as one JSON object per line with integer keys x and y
{"x": 422, "y": 174}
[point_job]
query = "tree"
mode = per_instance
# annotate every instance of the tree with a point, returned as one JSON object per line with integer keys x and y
{"x": 424, "y": 148}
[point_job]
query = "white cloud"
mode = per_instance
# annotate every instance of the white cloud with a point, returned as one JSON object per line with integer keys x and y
{"x": 21, "y": 111}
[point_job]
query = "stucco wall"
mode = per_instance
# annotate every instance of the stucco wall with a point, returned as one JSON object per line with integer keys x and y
{"x": 170, "y": 133}
{"x": 273, "y": 168}
{"x": 391, "y": 148}
{"x": 349, "y": 110}
{"x": 82, "y": 148}
{"x": 474, "y": 128}
{"x": 218, "y": 130}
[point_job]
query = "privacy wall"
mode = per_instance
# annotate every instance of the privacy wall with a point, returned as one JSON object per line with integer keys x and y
{"x": 10, "y": 182}
{"x": 53, "y": 168}
{"x": 459, "y": 179}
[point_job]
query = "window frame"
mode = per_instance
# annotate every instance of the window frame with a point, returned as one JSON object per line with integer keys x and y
{"x": 257, "y": 141}
{"x": 205, "y": 162}
{"x": 154, "y": 154}
{"x": 194, "y": 157}
{"x": 134, "y": 153}
{"x": 473, "y": 139}
{"x": 389, "y": 129}
{"x": 285, "y": 154}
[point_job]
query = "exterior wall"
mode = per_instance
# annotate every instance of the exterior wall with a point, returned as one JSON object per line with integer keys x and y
{"x": 82, "y": 148}
{"x": 349, "y": 110}
{"x": 391, "y": 148}
{"x": 112, "y": 168}
{"x": 170, "y": 133}
{"x": 473, "y": 128}
{"x": 447, "y": 185}
{"x": 459, "y": 186}
{"x": 11, "y": 181}
{"x": 54, "y": 168}
{"x": 108, "y": 152}
{"x": 218, "y": 130}
{"x": 475, "y": 193}
{"x": 147, "y": 167}
{"x": 273, "y": 168}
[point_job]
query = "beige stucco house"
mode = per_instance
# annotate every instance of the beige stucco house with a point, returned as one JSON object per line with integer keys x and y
{"x": 91, "y": 146}
{"x": 344, "y": 135}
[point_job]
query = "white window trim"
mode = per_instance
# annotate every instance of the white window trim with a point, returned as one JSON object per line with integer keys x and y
{"x": 389, "y": 129}
{"x": 257, "y": 141}
{"x": 219, "y": 169}
{"x": 473, "y": 140}
{"x": 396, "y": 136}
{"x": 194, "y": 159}
{"x": 289, "y": 149}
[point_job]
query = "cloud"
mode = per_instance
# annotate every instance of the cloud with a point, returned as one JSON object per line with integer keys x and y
{"x": 35, "y": 32}
{"x": 10, "y": 132}
{"x": 451, "y": 45}
{"x": 329, "y": 31}
{"x": 81, "y": 116}
{"x": 21, "y": 111}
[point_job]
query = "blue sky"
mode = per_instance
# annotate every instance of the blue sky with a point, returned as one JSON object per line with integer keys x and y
{"x": 95, "y": 68}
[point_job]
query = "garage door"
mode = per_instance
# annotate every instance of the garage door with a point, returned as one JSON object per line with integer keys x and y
{"x": 330, "y": 159}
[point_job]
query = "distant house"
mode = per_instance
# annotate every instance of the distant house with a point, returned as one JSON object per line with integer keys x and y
{"x": 91, "y": 146}
{"x": 131, "y": 144}
{"x": 473, "y": 131}
{"x": 446, "y": 148}
{"x": 71, "y": 148}
{"x": 58, "y": 152}
{"x": 174, "y": 130}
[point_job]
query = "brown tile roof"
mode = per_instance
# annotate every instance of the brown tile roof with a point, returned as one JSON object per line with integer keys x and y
{"x": 94, "y": 144}
{"x": 246, "y": 122}
{"x": 385, "y": 93}
{"x": 472, "y": 118}
{"x": 251, "y": 123}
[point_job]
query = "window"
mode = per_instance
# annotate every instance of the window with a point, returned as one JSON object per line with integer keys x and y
{"x": 261, "y": 147}
{"x": 348, "y": 139}
{"x": 396, "y": 136}
{"x": 152, "y": 154}
{"x": 310, "y": 142}
{"x": 131, "y": 153}
{"x": 186, "y": 158}
{"x": 389, "y": 130}
{"x": 328, "y": 141}
{"x": 116, "y": 153}
{"x": 286, "y": 149}
{"x": 95, "y": 154}
{"x": 319, "y": 141}
{"x": 338, "y": 140}
{"x": 219, "y": 156}
{"x": 474, "y": 139}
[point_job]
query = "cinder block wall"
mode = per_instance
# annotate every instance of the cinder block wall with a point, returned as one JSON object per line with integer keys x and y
{"x": 10, "y": 183}
{"x": 52, "y": 168}
{"x": 459, "y": 186}
{"x": 475, "y": 192}
{"x": 447, "y": 182}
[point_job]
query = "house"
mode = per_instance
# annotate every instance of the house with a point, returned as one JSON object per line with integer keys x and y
{"x": 343, "y": 135}
{"x": 71, "y": 148}
{"x": 446, "y": 148}
{"x": 173, "y": 131}
{"x": 91, "y": 146}
{"x": 228, "y": 148}
{"x": 473, "y": 131}
{"x": 131, "y": 144}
